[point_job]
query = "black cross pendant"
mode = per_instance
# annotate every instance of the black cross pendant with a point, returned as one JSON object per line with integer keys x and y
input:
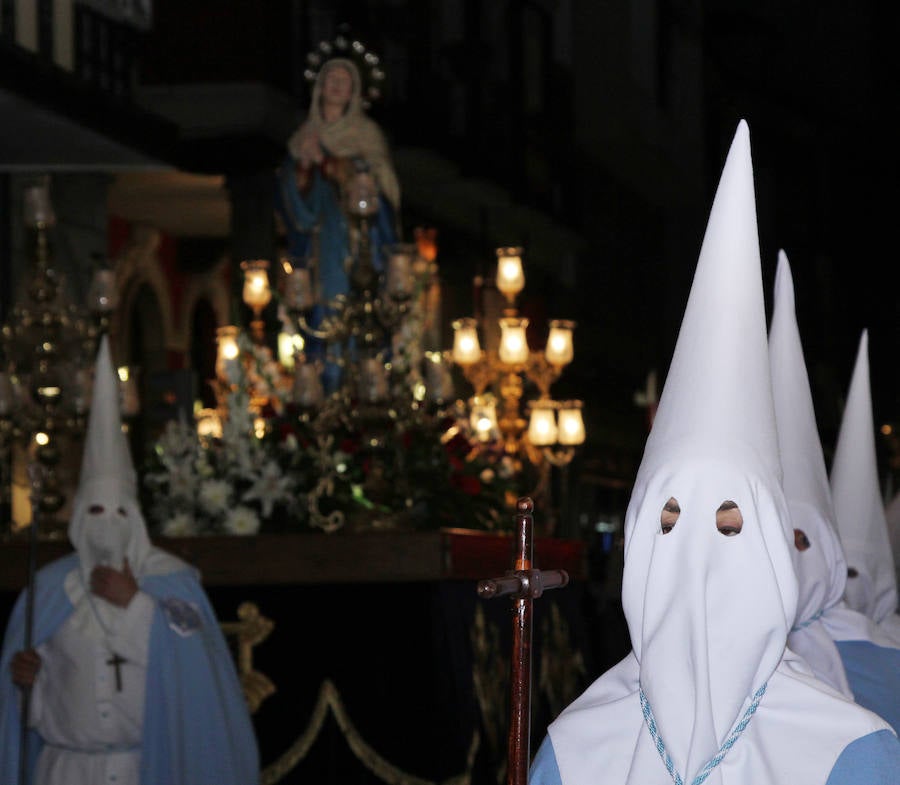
{"x": 116, "y": 662}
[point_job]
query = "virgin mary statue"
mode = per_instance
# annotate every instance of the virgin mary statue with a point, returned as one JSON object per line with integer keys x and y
{"x": 335, "y": 149}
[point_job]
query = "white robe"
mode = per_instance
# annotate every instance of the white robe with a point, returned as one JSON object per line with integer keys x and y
{"x": 92, "y": 730}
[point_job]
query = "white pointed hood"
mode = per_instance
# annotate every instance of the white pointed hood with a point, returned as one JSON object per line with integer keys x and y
{"x": 709, "y": 614}
{"x": 814, "y": 545}
{"x": 858, "y": 506}
{"x": 713, "y": 441}
{"x": 106, "y": 523}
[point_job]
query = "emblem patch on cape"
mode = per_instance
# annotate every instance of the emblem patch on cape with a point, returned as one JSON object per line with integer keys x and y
{"x": 183, "y": 616}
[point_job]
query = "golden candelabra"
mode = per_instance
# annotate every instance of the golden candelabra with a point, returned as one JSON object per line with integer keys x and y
{"x": 47, "y": 345}
{"x": 370, "y": 373}
{"x": 554, "y": 428}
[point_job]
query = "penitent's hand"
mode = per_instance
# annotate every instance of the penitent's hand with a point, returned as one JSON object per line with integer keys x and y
{"x": 25, "y": 666}
{"x": 116, "y": 586}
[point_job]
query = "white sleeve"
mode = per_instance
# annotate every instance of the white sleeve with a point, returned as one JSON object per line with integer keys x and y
{"x": 132, "y": 636}
{"x": 36, "y": 701}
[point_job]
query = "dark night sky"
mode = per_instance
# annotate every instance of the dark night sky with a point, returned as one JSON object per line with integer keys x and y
{"x": 817, "y": 86}
{"x": 816, "y": 83}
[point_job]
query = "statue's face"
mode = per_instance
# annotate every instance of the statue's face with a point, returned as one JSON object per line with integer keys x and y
{"x": 337, "y": 87}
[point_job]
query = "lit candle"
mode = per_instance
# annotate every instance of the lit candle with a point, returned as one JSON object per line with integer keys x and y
{"x": 466, "y": 349}
{"x": 571, "y": 423}
{"x": 559, "y": 343}
{"x": 260, "y": 427}
{"x": 289, "y": 345}
{"x": 513, "y": 343}
{"x": 542, "y": 429}
{"x": 257, "y": 294}
{"x": 510, "y": 276}
{"x": 209, "y": 424}
{"x": 483, "y": 418}
{"x": 228, "y": 353}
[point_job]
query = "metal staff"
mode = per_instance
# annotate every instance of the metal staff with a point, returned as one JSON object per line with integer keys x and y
{"x": 36, "y": 475}
{"x": 524, "y": 584}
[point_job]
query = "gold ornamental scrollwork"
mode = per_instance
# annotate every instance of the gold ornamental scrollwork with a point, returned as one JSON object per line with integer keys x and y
{"x": 251, "y": 630}
{"x": 329, "y": 701}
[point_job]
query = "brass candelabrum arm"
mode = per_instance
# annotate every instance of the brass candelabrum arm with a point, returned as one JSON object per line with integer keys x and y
{"x": 482, "y": 373}
{"x": 334, "y": 325}
{"x": 541, "y": 372}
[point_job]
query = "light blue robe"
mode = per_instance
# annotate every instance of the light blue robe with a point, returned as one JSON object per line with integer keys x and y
{"x": 196, "y": 725}
{"x": 871, "y": 760}
{"x": 874, "y": 676}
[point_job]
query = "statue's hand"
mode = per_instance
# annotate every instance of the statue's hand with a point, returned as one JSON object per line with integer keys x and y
{"x": 310, "y": 150}
{"x": 25, "y": 666}
{"x": 116, "y": 586}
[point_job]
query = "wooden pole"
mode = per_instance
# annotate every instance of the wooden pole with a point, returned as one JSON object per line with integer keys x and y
{"x": 524, "y": 584}
{"x": 29, "y": 642}
{"x": 36, "y": 478}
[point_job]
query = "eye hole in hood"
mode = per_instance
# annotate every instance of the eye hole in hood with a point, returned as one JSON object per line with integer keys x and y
{"x": 669, "y": 517}
{"x": 729, "y": 520}
{"x": 801, "y": 541}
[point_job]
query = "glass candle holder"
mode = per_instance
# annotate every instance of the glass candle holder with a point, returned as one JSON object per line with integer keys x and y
{"x": 362, "y": 195}
{"x": 542, "y": 431}
{"x": 298, "y": 289}
{"x": 559, "y": 351}
{"x": 438, "y": 378}
{"x": 466, "y": 349}
{"x": 228, "y": 354}
{"x": 373, "y": 382}
{"x": 571, "y": 423}
{"x": 38, "y": 209}
{"x": 103, "y": 297}
{"x": 510, "y": 276}
{"x": 483, "y": 418}
{"x": 257, "y": 293}
{"x": 308, "y": 390}
{"x": 399, "y": 278}
{"x": 513, "y": 342}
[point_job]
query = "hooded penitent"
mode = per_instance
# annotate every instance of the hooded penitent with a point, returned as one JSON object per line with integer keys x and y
{"x": 106, "y": 524}
{"x": 725, "y": 603}
{"x": 859, "y": 509}
{"x": 705, "y": 695}
{"x": 818, "y": 558}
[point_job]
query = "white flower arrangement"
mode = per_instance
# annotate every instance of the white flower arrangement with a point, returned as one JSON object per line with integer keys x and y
{"x": 208, "y": 485}
{"x": 265, "y": 467}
